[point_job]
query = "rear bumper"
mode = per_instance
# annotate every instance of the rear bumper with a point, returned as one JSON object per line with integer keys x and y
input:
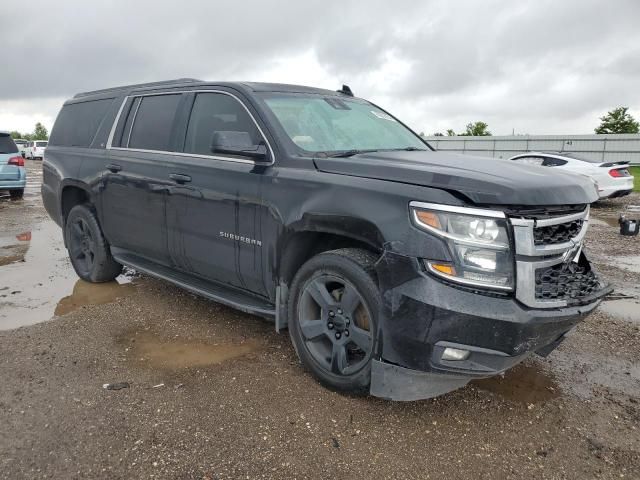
{"x": 616, "y": 193}
{"x": 13, "y": 184}
{"x": 611, "y": 188}
{"x": 424, "y": 316}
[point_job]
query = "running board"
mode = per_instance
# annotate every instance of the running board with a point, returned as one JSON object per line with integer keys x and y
{"x": 213, "y": 291}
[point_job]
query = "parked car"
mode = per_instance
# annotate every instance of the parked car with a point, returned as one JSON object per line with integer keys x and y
{"x": 36, "y": 149}
{"x": 22, "y": 146}
{"x": 613, "y": 179}
{"x": 399, "y": 270}
{"x": 13, "y": 175}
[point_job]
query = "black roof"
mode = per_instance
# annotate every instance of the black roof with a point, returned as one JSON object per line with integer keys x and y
{"x": 137, "y": 86}
{"x": 249, "y": 86}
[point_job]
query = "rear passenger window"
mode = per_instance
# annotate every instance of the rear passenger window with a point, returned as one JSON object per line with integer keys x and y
{"x": 530, "y": 160}
{"x": 77, "y": 123}
{"x": 215, "y": 112}
{"x": 553, "y": 162}
{"x": 153, "y": 122}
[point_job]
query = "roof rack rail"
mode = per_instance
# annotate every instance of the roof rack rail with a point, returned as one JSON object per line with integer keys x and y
{"x": 138, "y": 85}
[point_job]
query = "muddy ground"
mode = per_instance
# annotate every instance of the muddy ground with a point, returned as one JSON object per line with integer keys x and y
{"x": 214, "y": 393}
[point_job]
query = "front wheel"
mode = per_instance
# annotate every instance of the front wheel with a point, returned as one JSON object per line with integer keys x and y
{"x": 334, "y": 309}
{"x": 88, "y": 250}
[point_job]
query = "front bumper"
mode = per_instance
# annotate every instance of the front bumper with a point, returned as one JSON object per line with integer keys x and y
{"x": 423, "y": 316}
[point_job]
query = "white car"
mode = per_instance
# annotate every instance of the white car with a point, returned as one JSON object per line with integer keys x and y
{"x": 612, "y": 178}
{"x": 35, "y": 149}
{"x": 22, "y": 146}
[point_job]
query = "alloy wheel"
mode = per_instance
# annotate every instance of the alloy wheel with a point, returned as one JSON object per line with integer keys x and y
{"x": 335, "y": 323}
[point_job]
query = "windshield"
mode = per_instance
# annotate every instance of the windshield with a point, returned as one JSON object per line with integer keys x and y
{"x": 317, "y": 123}
{"x": 41, "y": 144}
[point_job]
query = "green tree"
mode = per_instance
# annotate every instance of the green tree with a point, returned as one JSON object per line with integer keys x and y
{"x": 438, "y": 134}
{"x": 618, "y": 121}
{"x": 16, "y": 134}
{"x": 477, "y": 129}
{"x": 40, "y": 132}
{"x": 451, "y": 133}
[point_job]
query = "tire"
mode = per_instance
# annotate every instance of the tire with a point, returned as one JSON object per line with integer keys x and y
{"x": 16, "y": 194}
{"x": 88, "y": 250}
{"x": 334, "y": 311}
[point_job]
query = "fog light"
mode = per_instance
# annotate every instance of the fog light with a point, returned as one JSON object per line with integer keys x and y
{"x": 455, "y": 354}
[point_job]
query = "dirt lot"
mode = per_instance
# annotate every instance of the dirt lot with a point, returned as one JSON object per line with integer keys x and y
{"x": 214, "y": 393}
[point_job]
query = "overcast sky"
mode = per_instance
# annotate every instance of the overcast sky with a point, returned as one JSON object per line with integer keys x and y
{"x": 544, "y": 66}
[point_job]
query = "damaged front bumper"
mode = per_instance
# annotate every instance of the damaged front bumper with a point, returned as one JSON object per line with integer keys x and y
{"x": 424, "y": 316}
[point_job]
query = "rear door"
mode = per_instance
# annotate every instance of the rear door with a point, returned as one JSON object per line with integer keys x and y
{"x": 214, "y": 211}
{"x": 8, "y": 149}
{"x": 137, "y": 175}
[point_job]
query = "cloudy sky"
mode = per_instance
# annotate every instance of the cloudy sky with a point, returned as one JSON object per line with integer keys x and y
{"x": 543, "y": 66}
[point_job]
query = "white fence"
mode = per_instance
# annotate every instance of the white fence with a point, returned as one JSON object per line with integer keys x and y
{"x": 608, "y": 148}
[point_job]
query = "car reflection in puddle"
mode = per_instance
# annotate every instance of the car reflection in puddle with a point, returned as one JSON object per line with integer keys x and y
{"x": 174, "y": 354}
{"x": 525, "y": 383}
{"x": 38, "y": 282}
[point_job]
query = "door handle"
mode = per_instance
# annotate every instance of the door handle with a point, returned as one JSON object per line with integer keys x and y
{"x": 180, "y": 178}
{"x": 114, "y": 168}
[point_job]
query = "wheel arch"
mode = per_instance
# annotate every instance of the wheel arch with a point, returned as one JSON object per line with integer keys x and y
{"x": 300, "y": 246}
{"x": 72, "y": 194}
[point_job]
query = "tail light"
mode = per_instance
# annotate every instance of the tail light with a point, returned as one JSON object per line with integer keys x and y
{"x": 618, "y": 173}
{"x": 17, "y": 161}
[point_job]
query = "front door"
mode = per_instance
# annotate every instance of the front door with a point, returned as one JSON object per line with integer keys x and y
{"x": 214, "y": 209}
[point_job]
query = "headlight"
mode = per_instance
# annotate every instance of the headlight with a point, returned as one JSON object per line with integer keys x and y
{"x": 477, "y": 239}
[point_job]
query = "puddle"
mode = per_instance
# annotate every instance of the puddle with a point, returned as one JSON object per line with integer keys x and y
{"x": 625, "y": 309}
{"x": 585, "y": 373}
{"x": 177, "y": 354}
{"x": 37, "y": 280}
{"x": 86, "y": 293}
{"x": 605, "y": 221}
{"x": 627, "y": 262}
{"x": 524, "y": 383}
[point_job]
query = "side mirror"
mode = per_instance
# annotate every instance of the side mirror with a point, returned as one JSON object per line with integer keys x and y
{"x": 237, "y": 143}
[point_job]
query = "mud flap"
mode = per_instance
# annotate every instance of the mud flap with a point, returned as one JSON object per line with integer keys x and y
{"x": 393, "y": 382}
{"x": 281, "y": 307}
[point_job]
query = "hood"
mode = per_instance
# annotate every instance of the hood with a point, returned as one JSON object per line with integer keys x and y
{"x": 483, "y": 180}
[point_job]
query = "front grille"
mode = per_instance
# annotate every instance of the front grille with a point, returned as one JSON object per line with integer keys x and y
{"x": 559, "y": 233}
{"x": 566, "y": 281}
{"x": 540, "y": 213}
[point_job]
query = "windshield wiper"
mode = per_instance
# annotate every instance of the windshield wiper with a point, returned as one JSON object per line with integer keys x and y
{"x": 350, "y": 153}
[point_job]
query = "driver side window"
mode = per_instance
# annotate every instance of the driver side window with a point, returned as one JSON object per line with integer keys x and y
{"x": 217, "y": 115}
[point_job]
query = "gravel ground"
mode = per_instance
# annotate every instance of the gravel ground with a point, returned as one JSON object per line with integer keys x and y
{"x": 214, "y": 393}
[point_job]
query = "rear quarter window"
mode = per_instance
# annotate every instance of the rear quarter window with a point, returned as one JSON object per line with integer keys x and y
{"x": 7, "y": 145}
{"x": 77, "y": 123}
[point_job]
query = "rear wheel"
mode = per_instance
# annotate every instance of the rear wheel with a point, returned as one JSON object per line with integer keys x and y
{"x": 88, "y": 250}
{"x": 333, "y": 318}
{"x": 16, "y": 194}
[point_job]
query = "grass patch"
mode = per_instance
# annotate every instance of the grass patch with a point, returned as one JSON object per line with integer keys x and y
{"x": 635, "y": 171}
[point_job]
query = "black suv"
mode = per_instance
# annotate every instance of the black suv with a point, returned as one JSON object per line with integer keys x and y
{"x": 398, "y": 270}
